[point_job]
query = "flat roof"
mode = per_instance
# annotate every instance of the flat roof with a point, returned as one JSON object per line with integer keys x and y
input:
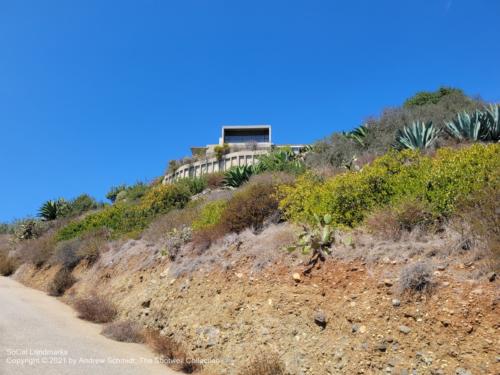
{"x": 246, "y": 126}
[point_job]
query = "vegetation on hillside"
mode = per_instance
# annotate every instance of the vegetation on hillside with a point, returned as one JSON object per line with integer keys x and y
{"x": 393, "y": 167}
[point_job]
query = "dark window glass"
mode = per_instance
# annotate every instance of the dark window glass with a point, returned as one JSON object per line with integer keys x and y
{"x": 246, "y": 135}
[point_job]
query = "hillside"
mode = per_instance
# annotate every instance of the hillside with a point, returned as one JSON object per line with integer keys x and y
{"x": 372, "y": 251}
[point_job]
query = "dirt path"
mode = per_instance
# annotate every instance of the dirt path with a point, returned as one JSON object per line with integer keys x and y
{"x": 41, "y": 335}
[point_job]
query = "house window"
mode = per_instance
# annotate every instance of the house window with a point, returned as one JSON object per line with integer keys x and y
{"x": 246, "y": 135}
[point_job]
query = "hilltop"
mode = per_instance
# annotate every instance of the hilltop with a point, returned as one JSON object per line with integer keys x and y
{"x": 371, "y": 251}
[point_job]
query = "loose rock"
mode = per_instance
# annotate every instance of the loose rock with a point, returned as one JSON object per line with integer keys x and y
{"x": 404, "y": 329}
{"x": 320, "y": 319}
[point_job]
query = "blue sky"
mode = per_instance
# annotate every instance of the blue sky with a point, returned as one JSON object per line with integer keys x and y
{"x": 95, "y": 93}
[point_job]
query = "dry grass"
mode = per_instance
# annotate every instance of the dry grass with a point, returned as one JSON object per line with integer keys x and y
{"x": 38, "y": 251}
{"x": 159, "y": 229}
{"x": 96, "y": 309}
{"x": 124, "y": 331}
{"x": 478, "y": 221}
{"x": 215, "y": 180}
{"x": 204, "y": 238}
{"x": 171, "y": 351}
{"x": 272, "y": 178}
{"x": 93, "y": 244}
{"x": 265, "y": 364}
{"x": 66, "y": 253}
{"x": 63, "y": 280}
{"x": 383, "y": 224}
{"x": 416, "y": 277}
{"x": 393, "y": 222}
{"x": 250, "y": 207}
{"x": 7, "y": 265}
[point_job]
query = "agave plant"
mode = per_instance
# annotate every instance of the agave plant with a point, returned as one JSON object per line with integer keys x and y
{"x": 418, "y": 135}
{"x": 492, "y": 119}
{"x": 52, "y": 210}
{"x": 281, "y": 160}
{"x": 317, "y": 240}
{"x": 236, "y": 176}
{"x": 468, "y": 127}
{"x": 358, "y": 135}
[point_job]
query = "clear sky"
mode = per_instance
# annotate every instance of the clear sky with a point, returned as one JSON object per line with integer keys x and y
{"x": 95, "y": 93}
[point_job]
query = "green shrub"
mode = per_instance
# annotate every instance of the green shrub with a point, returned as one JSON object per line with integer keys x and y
{"x": 195, "y": 185}
{"x": 81, "y": 204}
{"x": 119, "y": 218}
{"x": 123, "y": 218}
{"x": 163, "y": 198}
{"x": 210, "y": 215}
{"x": 130, "y": 193}
{"x": 397, "y": 176}
{"x": 432, "y": 97}
{"x": 136, "y": 192}
{"x": 114, "y": 191}
{"x": 220, "y": 151}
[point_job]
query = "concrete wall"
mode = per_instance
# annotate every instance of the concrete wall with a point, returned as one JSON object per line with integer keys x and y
{"x": 212, "y": 165}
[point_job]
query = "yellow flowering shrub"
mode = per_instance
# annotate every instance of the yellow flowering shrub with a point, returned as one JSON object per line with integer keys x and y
{"x": 391, "y": 179}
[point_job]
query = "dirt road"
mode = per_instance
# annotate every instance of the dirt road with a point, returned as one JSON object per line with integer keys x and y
{"x": 41, "y": 335}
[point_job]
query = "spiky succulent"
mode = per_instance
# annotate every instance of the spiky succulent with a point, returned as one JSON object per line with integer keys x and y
{"x": 281, "y": 160}
{"x": 236, "y": 176}
{"x": 318, "y": 240}
{"x": 52, "y": 210}
{"x": 418, "y": 135}
{"x": 492, "y": 120}
{"x": 468, "y": 127}
{"x": 358, "y": 135}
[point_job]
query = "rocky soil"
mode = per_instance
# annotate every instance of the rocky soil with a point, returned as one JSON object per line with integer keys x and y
{"x": 349, "y": 317}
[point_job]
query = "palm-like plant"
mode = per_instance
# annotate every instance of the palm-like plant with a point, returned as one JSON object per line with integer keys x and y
{"x": 418, "y": 135}
{"x": 468, "y": 127}
{"x": 358, "y": 135}
{"x": 236, "y": 176}
{"x": 51, "y": 210}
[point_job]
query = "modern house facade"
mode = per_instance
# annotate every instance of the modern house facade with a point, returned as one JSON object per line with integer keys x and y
{"x": 238, "y": 145}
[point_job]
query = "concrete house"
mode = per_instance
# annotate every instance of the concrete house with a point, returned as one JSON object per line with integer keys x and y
{"x": 238, "y": 145}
